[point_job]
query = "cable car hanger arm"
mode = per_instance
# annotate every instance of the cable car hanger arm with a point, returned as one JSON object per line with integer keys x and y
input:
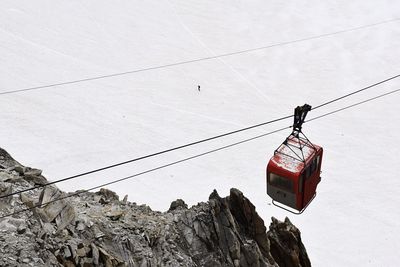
{"x": 300, "y": 114}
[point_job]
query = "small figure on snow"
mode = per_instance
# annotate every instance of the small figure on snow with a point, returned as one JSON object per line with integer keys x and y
{"x": 198, "y": 87}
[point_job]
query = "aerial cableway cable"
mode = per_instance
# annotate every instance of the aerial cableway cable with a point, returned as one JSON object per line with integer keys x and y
{"x": 198, "y": 59}
{"x": 196, "y": 156}
{"x": 353, "y": 105}
{"x": 355, "y": 92}
{"x": 193, "y": 143}
{"x": 148, "y": 171}
{"x": 146, "y": 156}
{"x": 193, "y": 157}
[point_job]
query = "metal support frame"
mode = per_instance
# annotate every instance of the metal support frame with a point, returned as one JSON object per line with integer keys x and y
{"x": 300, "y": 114}
{"x": 289, "y": 209}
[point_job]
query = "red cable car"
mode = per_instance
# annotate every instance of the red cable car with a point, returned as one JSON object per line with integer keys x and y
{"x": 293, "y": 172}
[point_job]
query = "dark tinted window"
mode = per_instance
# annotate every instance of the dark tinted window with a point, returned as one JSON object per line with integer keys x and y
{"x": 312, "y": 167}
{"x": 301, "y": 183}
{"x": 281, "y": 182}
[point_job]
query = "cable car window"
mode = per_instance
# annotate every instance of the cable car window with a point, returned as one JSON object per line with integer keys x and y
{"x": 313, "y": 165}
{"x": 318, "y": 160}
{"x": 301, "y": 182}
{"x": 281, "y": 182}
{"x": 311, "y": 168}
{"x": 308, "y": 172}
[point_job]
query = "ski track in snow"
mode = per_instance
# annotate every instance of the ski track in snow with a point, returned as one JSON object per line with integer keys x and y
{"x": 196, "y": 114}
{"x": 38, "y": 45}
{"x": 187, "y": 29}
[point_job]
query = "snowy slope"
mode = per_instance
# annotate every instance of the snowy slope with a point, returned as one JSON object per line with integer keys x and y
{"x": 74, "y": 128}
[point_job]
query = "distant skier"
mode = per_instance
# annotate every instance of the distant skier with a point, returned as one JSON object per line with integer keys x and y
{"x": 198, "y": 87}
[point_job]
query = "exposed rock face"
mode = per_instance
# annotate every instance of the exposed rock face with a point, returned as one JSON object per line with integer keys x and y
{"x": 97, "y": 229}
{"x": 285, "y": 244}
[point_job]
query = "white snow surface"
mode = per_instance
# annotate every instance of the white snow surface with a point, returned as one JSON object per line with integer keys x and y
{"x": 66, "y": 130}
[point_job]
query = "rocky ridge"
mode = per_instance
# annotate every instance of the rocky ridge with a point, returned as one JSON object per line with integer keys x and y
{"x": 98, "y": 229}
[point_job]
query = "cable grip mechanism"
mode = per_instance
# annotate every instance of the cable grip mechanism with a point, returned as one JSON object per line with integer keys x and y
{"x": 300, "y": 114}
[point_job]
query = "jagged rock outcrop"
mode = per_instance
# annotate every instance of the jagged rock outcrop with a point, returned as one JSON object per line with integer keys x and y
{"x": 97, "y": 229}
{"x": 285, "y": 244}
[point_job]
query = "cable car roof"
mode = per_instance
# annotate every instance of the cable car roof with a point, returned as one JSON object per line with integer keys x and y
{"x": 293, "y": 154}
